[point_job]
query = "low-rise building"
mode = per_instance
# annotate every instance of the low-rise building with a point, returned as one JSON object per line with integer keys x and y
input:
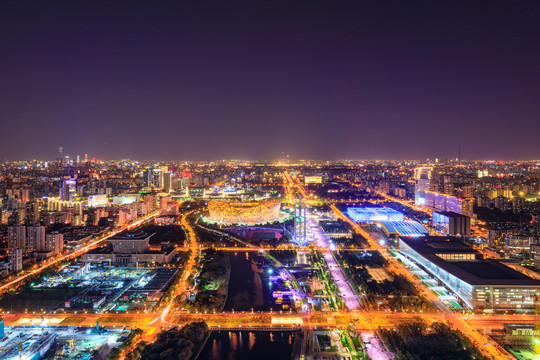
{"x": 479, "y": 283}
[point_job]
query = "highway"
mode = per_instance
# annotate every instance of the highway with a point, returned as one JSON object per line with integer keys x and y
{"x": 365, "y": 322}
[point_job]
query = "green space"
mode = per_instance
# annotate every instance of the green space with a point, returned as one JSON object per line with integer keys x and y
{"x": 35, "y": 299}
{"x": 398, "y": 292}
{"x": 173, "y": 233}
{"x": 416, "y": 340}
{"x": 455, "y": 305}
{"x": 175, "y": 344}
{"x": 211, "y": 289}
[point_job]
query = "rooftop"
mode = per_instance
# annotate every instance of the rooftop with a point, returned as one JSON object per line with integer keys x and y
{"x": 404, "y": 228}
{"x": 475, "y": 272}
{"x": 131, "y": 235}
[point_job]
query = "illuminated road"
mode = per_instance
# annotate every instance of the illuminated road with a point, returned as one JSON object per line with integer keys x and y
{"x": 352, "y": 301}
{"x": 368, "y": 320}
{"x": 181, "y": 287}
{"x": 316, "y": 234}
{"x": 365, "y": 322}
{"x": 456, "y": 320}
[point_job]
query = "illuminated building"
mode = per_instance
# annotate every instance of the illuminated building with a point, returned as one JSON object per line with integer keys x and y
{"x": 371, "y": 214}
{"x": 244, "y": 212}
{"x": 479, "y": 283}
{"x": 403, "y": 228}
{"x": 445, "y": 203}
{"x": 518, "y": 246}
{"x": 35, "y": 238}
{"x": 69, "y": 190}
{"x": 451, "y": 223}
{"x": 126, "y": 199}
{"x": 17, "y": 236}
{"x": 15, "y": 259}
{"x": 54, "y": 242}
{"x": 130, "y": 242}
{"x": 131, "y": 247}
{"x": 422, "y": 181}
{"x": 98, "y": 200}
{"x": 156, "y": 177}
{"x": 300, "y": 224}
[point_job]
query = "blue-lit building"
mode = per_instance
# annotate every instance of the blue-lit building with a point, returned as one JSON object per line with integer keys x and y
{"x": 372, "y": 214}
{"x": 403, "y": 228}
{"x": 479, "y": 283}
{"x": 451, "y": 223}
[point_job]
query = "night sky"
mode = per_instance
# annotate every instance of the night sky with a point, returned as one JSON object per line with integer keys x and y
{"x": 205, "y": 80}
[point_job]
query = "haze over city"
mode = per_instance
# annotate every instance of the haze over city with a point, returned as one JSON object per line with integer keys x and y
{"x": 255, "y": 80}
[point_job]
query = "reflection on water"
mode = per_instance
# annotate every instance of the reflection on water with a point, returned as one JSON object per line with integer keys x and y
{"x": 246, "y": 288}
{"x": 248, "y": 345}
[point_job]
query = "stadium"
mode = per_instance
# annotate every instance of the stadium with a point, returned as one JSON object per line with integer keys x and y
{"x": 244, "y": 212}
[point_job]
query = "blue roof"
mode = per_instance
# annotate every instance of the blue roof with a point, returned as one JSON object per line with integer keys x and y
{"x": 404, "y": 228}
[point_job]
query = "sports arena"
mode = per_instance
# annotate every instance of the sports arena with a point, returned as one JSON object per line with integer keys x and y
{"x": 244, "y": 212}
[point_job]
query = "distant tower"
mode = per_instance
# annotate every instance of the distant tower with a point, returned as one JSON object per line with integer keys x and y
{"x": 85, "y": 157}
{"x": 60, "y": 155}
{"x": 300, "y": 224}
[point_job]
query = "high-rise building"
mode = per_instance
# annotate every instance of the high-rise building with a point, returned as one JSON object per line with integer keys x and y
{"x": 166, "y": 181}
{"x": 35, "y": 238}
{"x": 15, "y": 259}
{"x": 35, "y": 211}
{"x": 69, "y": 190}
{"x": 54, "y": 242}
{"x": 147, "y": 176}
{"x": 17, "y": 236}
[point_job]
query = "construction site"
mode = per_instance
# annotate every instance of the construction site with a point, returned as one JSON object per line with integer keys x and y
{"x": 105, "y": 287}
{"x": 47, "y": 342}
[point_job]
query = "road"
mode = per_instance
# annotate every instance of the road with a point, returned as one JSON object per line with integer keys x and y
{"x": 364, "y": 321}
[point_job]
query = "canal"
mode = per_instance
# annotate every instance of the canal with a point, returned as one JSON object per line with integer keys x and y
{"x": 249, "y": 286}
{"x": 248, "y": 345}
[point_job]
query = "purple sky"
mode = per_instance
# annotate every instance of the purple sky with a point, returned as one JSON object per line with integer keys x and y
{"x": 255, "y": 79}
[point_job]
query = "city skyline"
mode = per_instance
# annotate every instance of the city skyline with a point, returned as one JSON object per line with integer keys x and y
{"x": 256, "y": 81}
